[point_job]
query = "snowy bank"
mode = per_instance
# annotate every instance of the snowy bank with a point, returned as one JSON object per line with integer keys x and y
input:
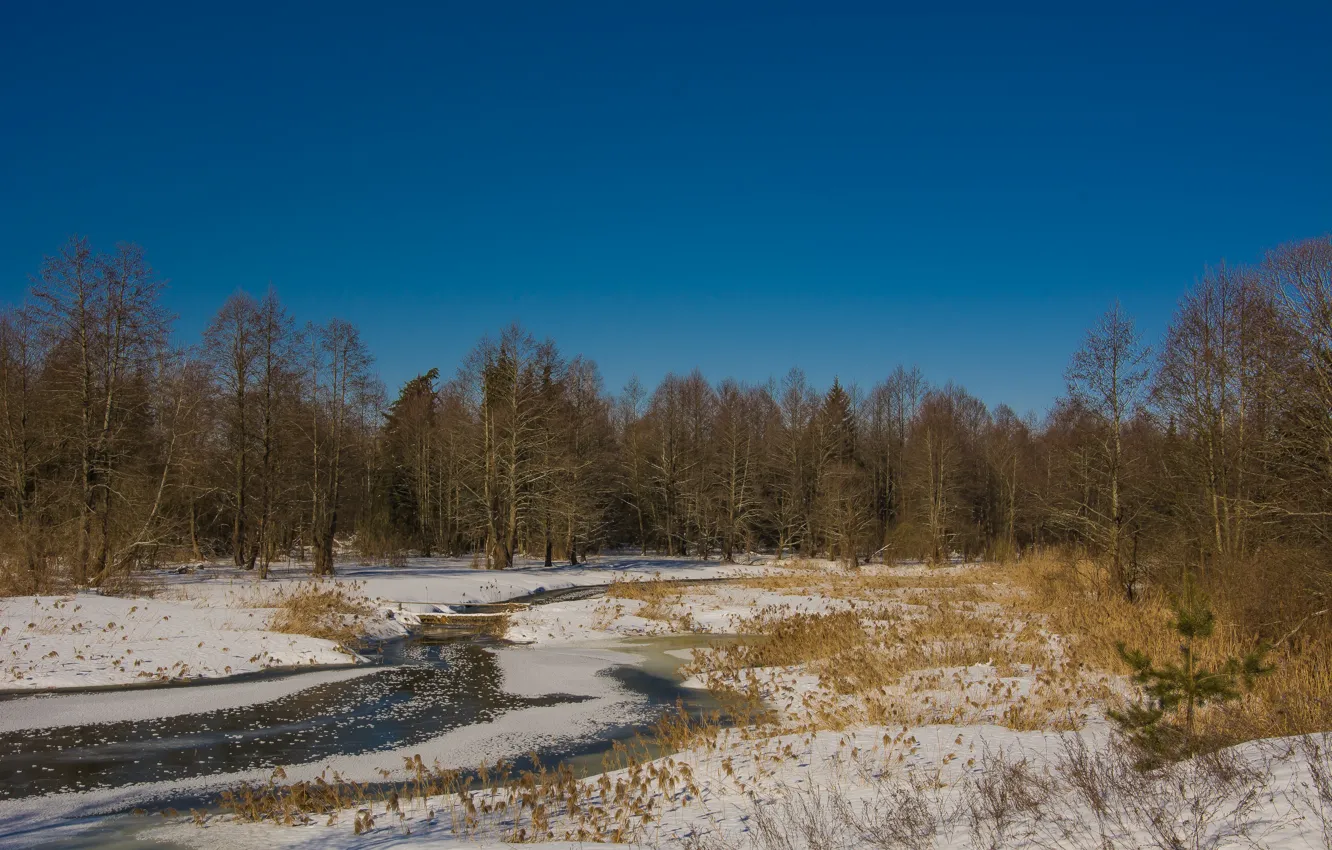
{"x": 86, "y": 640}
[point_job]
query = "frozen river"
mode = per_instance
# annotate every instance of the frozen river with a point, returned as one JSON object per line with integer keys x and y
{"x": 75, "y": 760}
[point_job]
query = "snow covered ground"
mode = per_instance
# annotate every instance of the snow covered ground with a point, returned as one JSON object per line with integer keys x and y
{"x": 530, "y": 671}
{"x": 87, "y": 640}
{"x": 945, "y": 787}
{"x": 967, "y": 753}
{"x": 213, "y": 622}
{"x": 711, "y": 609}
{"x": 457, "y": 580}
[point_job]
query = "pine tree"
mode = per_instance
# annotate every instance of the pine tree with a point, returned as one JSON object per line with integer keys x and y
{"x": 842, "y": 489}
{"x": 408, "y": 440}
{"x": 1185, "y": 685}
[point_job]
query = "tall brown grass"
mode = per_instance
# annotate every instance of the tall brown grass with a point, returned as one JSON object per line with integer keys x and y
{"x": 497, "y": 801}
{"x": 319, "y": 609}
{"x": 1073, "y": 599}
{"x": 658, "y": 595}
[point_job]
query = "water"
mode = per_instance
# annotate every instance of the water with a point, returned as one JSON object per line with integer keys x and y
{"x": 423, "y": 690}
{"x": 428, "y": 690}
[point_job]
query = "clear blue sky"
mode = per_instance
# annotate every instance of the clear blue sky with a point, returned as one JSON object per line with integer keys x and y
{"x": 663, "y": 185}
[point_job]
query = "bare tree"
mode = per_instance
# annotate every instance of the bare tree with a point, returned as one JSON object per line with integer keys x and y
{"x": 1214, "y": 384}
{"x": 1008, "y": 455}
{"x": 633, "y": 440}
{"x": 738, "y": 424}
{"x": 1108, "y": 377}
{"x": 935, "y": 465}
{"x": 1301, "y": 275}
{"x": 791, "y": 460}
{"x": 504, "y": 382}
{"x": 582, "y": 484}
{"x": 174, "y": 418}
{"x": 669, "y": 460}
{"x": 338, "y": 370}
{"x": 231, "y": 346}
{"x": 102, "y": 315}
{"x": 25, "y": 444}
{"x": 277, "y": 383}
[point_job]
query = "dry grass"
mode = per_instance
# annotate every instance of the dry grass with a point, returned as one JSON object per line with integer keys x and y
{"x": 662, "y": 601}
{"x": 775, "y": 639}
{"x": 498, "y": 802}
{"x": 866, "y": 584}
{"x": 1072, "y": 599}
{"x": 801, "y": 563}
{"x": 16, "y": 580}
{"x": 1048, "y": 627}
{"x": 918, "y": 648}
{"x": 325, "y": 610}
{"x": 1079, "y": 799}
{"x": 658, "y": 595}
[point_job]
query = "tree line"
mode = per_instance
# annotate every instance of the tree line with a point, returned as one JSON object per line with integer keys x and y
{"x": 271, "y": 440}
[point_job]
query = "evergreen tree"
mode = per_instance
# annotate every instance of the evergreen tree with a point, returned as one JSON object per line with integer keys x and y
{"x": 1186, "y": 685}
{"x": 409, "y": 449}
{"x": 842, "y": 484}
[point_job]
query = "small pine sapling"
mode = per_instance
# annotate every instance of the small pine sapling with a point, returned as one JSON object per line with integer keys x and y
{"x": 1186, "y": 685}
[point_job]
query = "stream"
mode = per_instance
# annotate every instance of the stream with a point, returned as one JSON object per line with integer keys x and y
{"x": 421, "y": 690}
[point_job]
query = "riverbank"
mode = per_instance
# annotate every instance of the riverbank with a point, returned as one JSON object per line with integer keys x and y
{"x": 894, "y": 706}
{"x": 86, "y": 640}
{"x": 560, "y": 700}
{"x": 885, "y": 706}
{"x": 95, "y": 755}
{"x": 214, "y": 622}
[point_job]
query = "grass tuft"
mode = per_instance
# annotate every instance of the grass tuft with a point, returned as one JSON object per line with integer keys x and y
{"x": 319, "y": 609}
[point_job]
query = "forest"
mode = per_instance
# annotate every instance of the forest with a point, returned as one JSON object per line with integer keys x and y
{"x": 1209, "y": 450}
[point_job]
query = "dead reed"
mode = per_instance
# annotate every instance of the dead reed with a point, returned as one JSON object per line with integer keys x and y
{"x": 327, "y": 610}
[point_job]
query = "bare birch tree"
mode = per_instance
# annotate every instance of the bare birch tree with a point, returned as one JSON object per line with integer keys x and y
{"x": 1108, "y": 377}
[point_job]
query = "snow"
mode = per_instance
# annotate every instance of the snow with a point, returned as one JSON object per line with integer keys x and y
{"x": 745, "y": 783}
{"x": 86, "y": 640}
{"x": 438, "y": 584}
{"x": 527, "y": 671}
{"x": 435, "y": 581}
{"x": 785, "y": 781}
{"x": 212, "y": 623}
{"x": 50, "y": 710}
{"x": 711, "y": 609}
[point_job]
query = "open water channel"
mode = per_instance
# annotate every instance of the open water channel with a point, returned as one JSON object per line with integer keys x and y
{"x": 421, "y": 690}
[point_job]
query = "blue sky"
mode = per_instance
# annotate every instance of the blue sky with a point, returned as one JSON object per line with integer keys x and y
{"x": 659, "y": 186}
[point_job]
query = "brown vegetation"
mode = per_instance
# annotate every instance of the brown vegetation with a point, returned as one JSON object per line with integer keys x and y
{"x": 1073, "y": 599}
{"x": 327, "y": 610}
{"x": 894, "y": 652}
{"x": 658, "y": 594}
{"x": 497, "y": 800}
